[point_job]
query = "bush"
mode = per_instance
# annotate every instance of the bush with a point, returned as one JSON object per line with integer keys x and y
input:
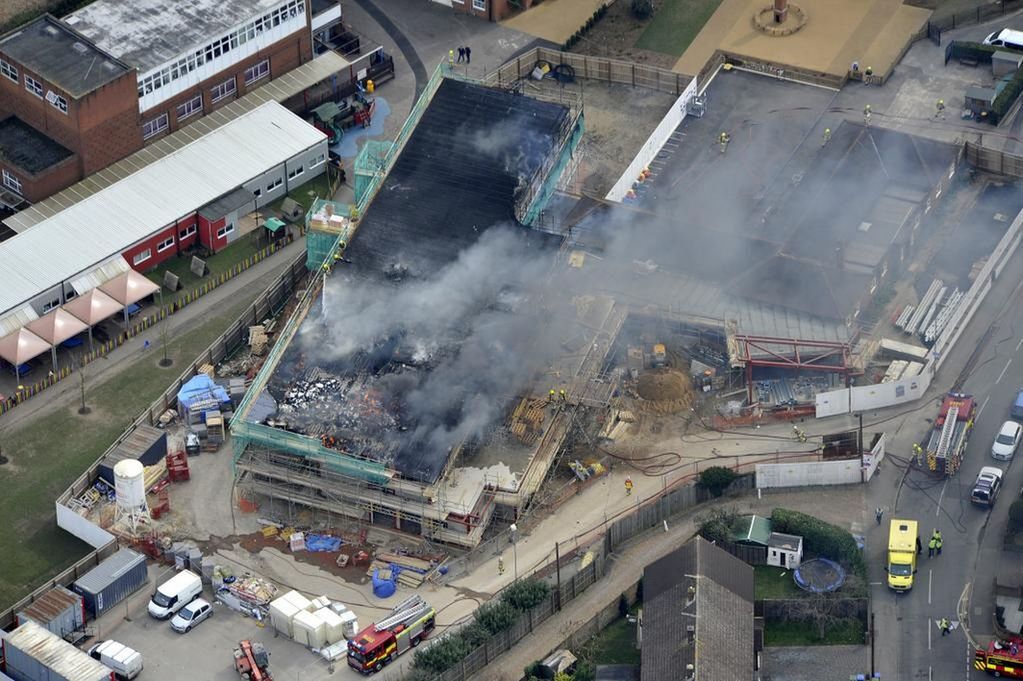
{"x": 642, "y": 9}
{"x": 441, "y": 655}
{"x": 496, "y": 616}
{"x": 716, "y": 526}
{"x": 819, "y": 538}
{"x": 1016, "y": 515}
{"x": 525, "y": 594}
{"x": 716, "y": 479}
{"x": 584, "y": 671}
{"x": 1007, "y": 97}
{"x": 474, "y": 634}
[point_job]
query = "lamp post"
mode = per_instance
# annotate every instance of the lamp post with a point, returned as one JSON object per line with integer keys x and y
{"x": 163, "y": 321}
{"x": 515, "y": 553}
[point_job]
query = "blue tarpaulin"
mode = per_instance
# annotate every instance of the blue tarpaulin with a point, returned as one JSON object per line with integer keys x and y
{"x": 199, "y": 388}
{"x": 322, "y": 542}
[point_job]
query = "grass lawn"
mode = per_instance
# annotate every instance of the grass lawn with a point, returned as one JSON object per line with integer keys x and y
{"x": 774, "y": 582}
{"x": 51, "y": 451}
{"x": 675, "y": 24}
{"x": 306, "y": 193}
{"x": 616, "y": 644}
{"x": 801, "y": 634}
{"x": 238, "y": 251}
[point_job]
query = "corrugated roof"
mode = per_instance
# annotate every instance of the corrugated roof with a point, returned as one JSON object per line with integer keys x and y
{"x": 98, "y": 578}
{"x": 752, "y": 529}
{"x": 55, "y": 653}
{"x": 276, "y": 90}
{"x": 110, "y": 221}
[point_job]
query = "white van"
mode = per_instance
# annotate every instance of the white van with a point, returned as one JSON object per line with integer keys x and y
{"x": 1006, "y": 37}
{"x": 174, "y": 594}
{"x": 125, "y": 662}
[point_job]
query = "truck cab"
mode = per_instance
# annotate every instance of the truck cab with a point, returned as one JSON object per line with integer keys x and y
{"x": 901, "y": 563}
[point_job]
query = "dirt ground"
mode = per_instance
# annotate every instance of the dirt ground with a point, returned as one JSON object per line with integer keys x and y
{"x": 615, "y": 37}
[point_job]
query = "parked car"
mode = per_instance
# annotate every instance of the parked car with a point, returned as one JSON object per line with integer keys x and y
{"x": 125, "y": 662}
{"x": 191, "y": 615}
{"x": 1016, "y": 411}
{"x": 985, "y": 490}
{"x": 1007, "y": 441}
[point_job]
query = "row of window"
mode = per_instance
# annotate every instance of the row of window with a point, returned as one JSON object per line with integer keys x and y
{"x": 478, "y": 5}
{"x": 168, "y": 243}
{"x": 221, "y": 46}
{"x": 10, "y": 71}
{"x": 11, "y": 181}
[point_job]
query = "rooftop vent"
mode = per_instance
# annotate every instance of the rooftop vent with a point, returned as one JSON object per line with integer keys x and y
{"x": 71, "y": 20}
{"x": 80, "y": 48}
{"x": 109, "y": 66}
{"x": 51, "y": 29}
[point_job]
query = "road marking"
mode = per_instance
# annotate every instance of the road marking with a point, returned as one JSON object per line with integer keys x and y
{"x": 984, "y": 404}
{"x": 1019, "y": 345}
{"x": 928, "y": 641}
{"x": 941, "y": 496}
{"x": 930, "y": 575}
{"x": 1002, "y": 375}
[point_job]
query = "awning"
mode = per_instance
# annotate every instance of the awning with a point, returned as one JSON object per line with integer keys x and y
{"x": 57, "y": 326}
{"x": 17, "y": 319}
{"x": 232, "y": 201}
{"x": 129, "y": 288}
{"x": 273, "y": 224}
{"x": 100, "y": 275}
{"x": 93, "y": 306}
{"x": 21, "y": 346}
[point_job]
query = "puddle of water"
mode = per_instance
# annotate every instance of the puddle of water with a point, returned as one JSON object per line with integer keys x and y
{"x": 348, "y": 147}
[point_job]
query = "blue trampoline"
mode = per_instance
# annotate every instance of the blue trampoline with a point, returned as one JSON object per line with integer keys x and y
{"x": 819, "y": 575}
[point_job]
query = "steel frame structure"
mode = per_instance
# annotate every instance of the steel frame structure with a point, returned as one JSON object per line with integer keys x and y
{"x": 791, "y": 353}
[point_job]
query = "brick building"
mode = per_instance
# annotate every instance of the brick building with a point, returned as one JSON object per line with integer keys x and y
{"x": 492, "y": 10}
{"x": 67, "y": 109}
{"x": 79, "y": 94}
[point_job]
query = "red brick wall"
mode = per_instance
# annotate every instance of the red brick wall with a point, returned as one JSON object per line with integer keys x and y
{"x": 109, "y": 123}
{"x": 35, "y": 188}
{"x": 284, "y": 55}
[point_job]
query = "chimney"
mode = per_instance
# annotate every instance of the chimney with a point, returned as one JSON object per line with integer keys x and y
{"x": 840, "y": 256}
{"x": 781, "y": 11}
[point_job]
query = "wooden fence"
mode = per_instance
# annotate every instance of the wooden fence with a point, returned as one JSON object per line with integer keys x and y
{"x": 993, "y": 160}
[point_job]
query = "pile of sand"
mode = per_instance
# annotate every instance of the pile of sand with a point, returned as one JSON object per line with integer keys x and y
{"x": 665, "y": 391}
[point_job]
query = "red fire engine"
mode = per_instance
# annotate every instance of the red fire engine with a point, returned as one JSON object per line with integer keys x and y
{"x": 378, "y": 644}
{"x": 1001, "y": 658}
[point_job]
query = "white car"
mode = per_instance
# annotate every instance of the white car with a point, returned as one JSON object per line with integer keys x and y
{"x": 191, "y": 615}
{"x": 1007, "y": 441}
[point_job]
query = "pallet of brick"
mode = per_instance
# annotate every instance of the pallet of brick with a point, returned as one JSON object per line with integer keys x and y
{"x": 405, "y": 562}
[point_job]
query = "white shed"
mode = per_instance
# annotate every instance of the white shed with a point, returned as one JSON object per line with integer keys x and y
{"x": 784, "y": 550}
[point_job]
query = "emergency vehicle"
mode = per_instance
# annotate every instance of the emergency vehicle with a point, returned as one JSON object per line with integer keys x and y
{"x": 1001, "y": 658}
{"x": 378, "y": 644}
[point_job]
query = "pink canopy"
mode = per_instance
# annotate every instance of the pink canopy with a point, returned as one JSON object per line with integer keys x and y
{"x": 57, "y": 326}
{"x": 21, "y": 346}
{"x": 129, "y": 287}
{"x": 93, "y": 306}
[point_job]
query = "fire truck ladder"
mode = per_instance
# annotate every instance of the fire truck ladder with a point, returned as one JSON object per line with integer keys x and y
{"x": 403, "y": 613}
{"x": 947, "y": 433}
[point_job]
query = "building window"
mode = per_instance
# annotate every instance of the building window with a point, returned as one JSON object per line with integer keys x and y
{"x": 11, "y": 182}
{"x": 50, "y": 305}
{"x": 186, "y": 232}
{"x": 257, "y": 71}
{"x": 295, "y": 172}
{"x": 225, "y": 230}
{"x": 165, "y": 244}
{"x": 33, "y": 86}
{"x": 225, "y": 89}
{"x": 58, "y": 102}
{"x": 142, "y": 257}
{"x": 317, "y": 161}
{"x": 257, "y": 192}
{"x": 479, "y": 5}
{"x": 274, "y": 185}
{"x": 155, "y": 126}
{"x": 9, "y": 70}
{"x": 190, "y": 108}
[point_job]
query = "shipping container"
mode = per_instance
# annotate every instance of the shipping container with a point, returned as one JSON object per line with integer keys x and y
{"x": 31, "y": 653}
{"x": 59, "y": 610}
{"x": 146, "y": 444}
{"x": 113, "y": 580}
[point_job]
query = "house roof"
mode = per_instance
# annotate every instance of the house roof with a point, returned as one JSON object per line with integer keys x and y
{"x": 788, "y": 542}
{"x": 698, "y": 610}
{"x": 159, "y": 194}
{"x": 752, "y": 529}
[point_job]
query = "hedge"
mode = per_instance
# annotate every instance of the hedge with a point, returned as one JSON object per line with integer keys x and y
{"x": 979, "y": 51}
{"x": 819, "y": 538}
{"x": 1008, "y": 95}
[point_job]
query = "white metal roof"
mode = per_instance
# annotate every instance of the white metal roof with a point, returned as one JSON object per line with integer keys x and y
{"x": 110, "y": 221}
{"x": 55, "y": 653}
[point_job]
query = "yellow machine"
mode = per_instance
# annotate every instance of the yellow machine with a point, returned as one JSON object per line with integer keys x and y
{"x": 901, "y": 565}
{"x": 660, "y": 355}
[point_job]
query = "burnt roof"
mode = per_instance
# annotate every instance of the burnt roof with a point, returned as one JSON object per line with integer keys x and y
{"x": 698, "y": 610}
{"x": 53, "y": 50}
{"x": 23, "y": 146}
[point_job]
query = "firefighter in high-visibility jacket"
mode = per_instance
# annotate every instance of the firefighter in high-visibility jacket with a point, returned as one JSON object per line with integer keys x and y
{"x": 628, "y": 486}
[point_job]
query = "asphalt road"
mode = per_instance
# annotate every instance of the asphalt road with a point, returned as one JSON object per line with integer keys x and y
{"x": 959, "y": 584}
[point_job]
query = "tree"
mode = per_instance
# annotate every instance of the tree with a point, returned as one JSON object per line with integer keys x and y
{"x": 496, "y": 616}
{"x": 526, "y": 594}
{"x": 642, "y": 9}
{"x": 716, "y": 479}
{"x": 440, "y": 655}
{"x": 823, "y": 612}
{"x": 716, "y": 526}
{"x": 474, "y": 634}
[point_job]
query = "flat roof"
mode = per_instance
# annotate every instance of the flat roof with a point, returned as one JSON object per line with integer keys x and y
{"x": 278, "y": 89}
{"x": 27, "y": 148}
{"x": 61, "y": 55}
{"x": 150, "y": 199}
{"x": 227, "y": 203}
{"x": 148, "y": 33}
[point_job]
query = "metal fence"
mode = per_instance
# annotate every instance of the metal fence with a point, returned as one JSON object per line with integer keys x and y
{"x": 969, "y": 17}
